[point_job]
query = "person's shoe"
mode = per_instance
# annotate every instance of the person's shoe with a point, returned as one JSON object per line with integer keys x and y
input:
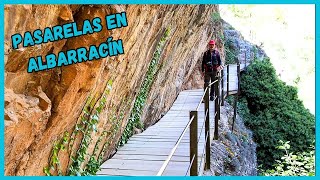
{"x": 211, "y": 98}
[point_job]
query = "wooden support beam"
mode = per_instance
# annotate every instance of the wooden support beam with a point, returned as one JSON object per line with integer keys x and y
{"x": 194, "y": 143}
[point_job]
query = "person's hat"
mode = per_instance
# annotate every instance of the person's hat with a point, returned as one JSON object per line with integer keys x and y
{"x": 212, "y": 42}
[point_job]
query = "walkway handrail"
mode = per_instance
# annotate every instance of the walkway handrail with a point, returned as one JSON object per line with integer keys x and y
{"x": 166, "y": 162}
{"x": 206, "y": 89}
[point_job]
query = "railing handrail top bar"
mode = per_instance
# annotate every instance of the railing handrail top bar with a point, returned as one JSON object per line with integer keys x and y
{"x": 215, "y": 81}
{"x": 166, "y": 162}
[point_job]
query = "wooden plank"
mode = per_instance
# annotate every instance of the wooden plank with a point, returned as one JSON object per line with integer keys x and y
{"x": 162, "y": 139}
{"x": 152, "y": 151}
{"x": 125, "y": 172}
{"x": 142, "y": 165}
{"x": 181, "y": 151}
{"x": 167, "y": 134}
{"x": 151, "y": 157}
{"x": 157, "y": 145}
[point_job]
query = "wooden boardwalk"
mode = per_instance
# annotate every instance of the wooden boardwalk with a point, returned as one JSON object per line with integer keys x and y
{"x": 145, "y": 153}
{"x": 233, "y": 78}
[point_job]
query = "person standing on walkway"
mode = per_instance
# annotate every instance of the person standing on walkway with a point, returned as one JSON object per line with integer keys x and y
{"x": 211, "y": 64}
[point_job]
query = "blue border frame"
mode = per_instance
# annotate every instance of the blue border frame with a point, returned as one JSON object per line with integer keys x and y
{"x": 2, "y": 91}
{"x": 162, "y": 2}
{"x": 317, "y": 63}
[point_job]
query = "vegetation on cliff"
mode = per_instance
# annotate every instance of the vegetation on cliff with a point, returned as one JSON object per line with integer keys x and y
{"x": 274, "y": 112}
{"x": 291, "y": 164}
{"x": 81, "y": 161}
{"x": 134, "y": 119}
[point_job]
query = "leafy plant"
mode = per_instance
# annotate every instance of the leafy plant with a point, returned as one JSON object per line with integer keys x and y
{"x": 90, "y": 127}
{"x": 85, "y": 127}
{"x": 300, "y": 164}
{"x": 54, "y": 163}
{"x": 221, "y": 37}
{"x": 216, "y": 17}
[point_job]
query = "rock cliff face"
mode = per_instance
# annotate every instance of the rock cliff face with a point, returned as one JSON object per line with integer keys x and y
{"x": 41, "y": 108}
{"x": 195, "y": 81}
{"x": 235, "y": 152}
{"x": 238, "y": 48}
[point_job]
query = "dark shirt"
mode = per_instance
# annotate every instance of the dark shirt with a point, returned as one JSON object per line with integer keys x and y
{"x": 213, "y": 57}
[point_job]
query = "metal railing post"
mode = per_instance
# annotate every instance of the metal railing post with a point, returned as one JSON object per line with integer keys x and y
{"x": 238, "y": 74}
{"x": 236, "y": 98}
{"x": 216, "y": 108}
{"x": 228, "y": 80}
{"x": 194, "y": 144}
{"x": 219, "y": 102}
{"x": 245, "y": 59}
{"x": 222, "y": 87}
{"x": 207, "y": 129}
{"x": 234, "y": 111}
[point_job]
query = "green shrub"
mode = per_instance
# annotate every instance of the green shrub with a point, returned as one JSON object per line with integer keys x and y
{"x": 230, "y": 52}
{"x": 300, "y": 164}
{"x": 216, "y": 17}
{"x": 275, "y": 113}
